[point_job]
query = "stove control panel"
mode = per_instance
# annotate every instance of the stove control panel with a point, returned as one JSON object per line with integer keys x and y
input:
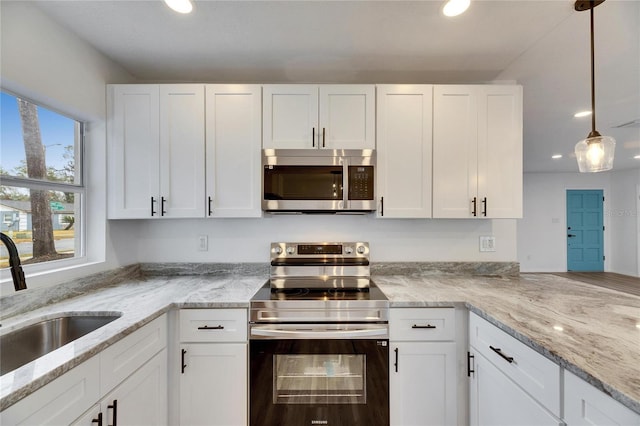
{"x": 319, "y": 250}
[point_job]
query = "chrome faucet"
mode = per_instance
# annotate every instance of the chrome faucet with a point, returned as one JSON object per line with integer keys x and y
{"x": 19, "y": 283}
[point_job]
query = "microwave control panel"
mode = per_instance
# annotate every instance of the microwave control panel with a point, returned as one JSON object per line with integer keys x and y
{"x": 361, "y": 182}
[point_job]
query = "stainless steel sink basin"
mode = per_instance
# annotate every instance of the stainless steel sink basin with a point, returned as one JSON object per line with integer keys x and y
{"x": 25, "y": 344}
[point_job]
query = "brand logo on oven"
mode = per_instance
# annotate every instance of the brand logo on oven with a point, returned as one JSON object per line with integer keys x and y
{"x": 319, "y": 422}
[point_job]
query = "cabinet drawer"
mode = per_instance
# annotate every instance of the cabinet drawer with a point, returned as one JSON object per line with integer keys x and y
{"x": 213, "y": 325}
{"x": 121, "y": 359}
{"x": 424, "y": 324}
{"x": 537, "y": 375}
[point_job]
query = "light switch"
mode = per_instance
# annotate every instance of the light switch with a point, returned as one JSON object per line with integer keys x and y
{"x": 203, "y": 243}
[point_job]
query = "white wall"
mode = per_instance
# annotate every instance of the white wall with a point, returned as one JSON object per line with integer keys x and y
{"x": 542, "y": 244}
{"x": 622, "y": 212}
{"x": 48, "y": 64}
{"x": 247, "y": 240}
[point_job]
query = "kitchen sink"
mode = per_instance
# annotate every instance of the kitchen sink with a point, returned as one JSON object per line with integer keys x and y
{"x": 25, "y": 344}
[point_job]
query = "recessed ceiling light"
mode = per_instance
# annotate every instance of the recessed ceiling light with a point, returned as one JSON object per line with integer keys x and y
{"x": 556, "y": 156}
{"x": 180, "y": 6}
{"x": 637, "y": 157}
{"x": 582, "y": 114}
{"x": 455, "y": 7}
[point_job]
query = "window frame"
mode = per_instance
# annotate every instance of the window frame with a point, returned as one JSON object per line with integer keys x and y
{"x": 78, "y": 187}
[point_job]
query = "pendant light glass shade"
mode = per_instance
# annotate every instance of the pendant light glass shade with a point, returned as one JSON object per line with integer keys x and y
{"x": 595, "y": 154}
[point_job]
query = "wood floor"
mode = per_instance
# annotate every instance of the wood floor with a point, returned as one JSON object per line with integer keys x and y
{"x": 611, "y": 280}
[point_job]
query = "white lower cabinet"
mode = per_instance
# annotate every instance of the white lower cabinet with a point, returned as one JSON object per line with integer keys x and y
{"x": 497, "y": 400}
{"x": 510, "y": 383}
{"x": 59, "y": 402}
{"x": 422, "y": 367}
{"x": 585, "y": 405}
{"x": 213, "y": 379}
{"x": 140, "y": 400}
{"x": 126, "y": 384}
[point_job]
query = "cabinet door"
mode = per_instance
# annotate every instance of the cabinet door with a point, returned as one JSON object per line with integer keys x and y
{"x": 133, "y": 150}
{"x": 500, "y": 151}
{"x": 455, "y": 151}
{"x": 213, "y": 386}
{"x": 290, "y": 116}
{"x": 182, "y": 182}
{"x": 59, "y": 402}
{"x": 496, "y": 400}
{"x": 142, "y": 398}
{"x": 422, "y": 384}
{"x": 233, "y": 129}
{"x": 584, "y": 405}
{"x": 404, "y": 117}
{"x": 347, "y": 117}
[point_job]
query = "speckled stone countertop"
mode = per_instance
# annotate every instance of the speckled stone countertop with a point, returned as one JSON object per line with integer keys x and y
{"x": 588, "y": 330}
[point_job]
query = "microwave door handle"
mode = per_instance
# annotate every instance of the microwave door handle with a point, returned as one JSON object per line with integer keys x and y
{"x": 345, "y": 183}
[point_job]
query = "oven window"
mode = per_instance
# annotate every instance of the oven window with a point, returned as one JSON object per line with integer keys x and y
{"x": 319, "y": 379}
{"x": 303, "y": 182}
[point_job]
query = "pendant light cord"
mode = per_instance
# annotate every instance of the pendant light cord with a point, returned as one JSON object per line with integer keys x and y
{"x": 593, "y": 79}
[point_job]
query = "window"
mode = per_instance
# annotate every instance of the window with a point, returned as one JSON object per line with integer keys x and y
{"x": 41, "y": 186}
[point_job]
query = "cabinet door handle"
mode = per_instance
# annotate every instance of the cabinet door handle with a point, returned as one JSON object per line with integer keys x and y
{"x": 484, "y": 206}
{"x": 469, "y": 369}
{"x": 395, "y": 364}
{"x": 98, "y": 420}
{"x": 114, "y": 407}
{"x": 210, "y": 211}
{"x": 475, "y": 205}
{"x": 499, "y": 352}
{"x": 423, "y": 326}
{"x": 381, "y": 206}
{"x": 208, "y": 327}
{"x": 162, "y": 202}
{"x": 570, "y": 235}
{"x": 313, "y": 137}
{"x": 153, "y": 200}
{"x": 184, "y": 352}
{"x": 323, "y": 145}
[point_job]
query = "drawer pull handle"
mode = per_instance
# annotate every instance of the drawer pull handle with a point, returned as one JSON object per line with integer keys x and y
{"x": 113, "y": 407}
{"x": 423, "y": 326}
{"x": 499, "y": 352}
{"x": 206, "y": 327}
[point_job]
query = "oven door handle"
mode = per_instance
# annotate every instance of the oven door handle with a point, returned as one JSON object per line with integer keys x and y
{"x": 315, "y": 333}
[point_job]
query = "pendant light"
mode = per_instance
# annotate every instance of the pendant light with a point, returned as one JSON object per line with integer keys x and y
{"x": 595, "y": 153}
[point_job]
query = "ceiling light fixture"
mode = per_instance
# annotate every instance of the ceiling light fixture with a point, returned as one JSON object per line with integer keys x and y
{"x": 556, "y": 156}
{"x": 582, "y": 114}
{"x": 455, "y": 7}
{"x": 180, "y": 6}
{"x": 595, "y": 153}
{"x": 637, "y": 157}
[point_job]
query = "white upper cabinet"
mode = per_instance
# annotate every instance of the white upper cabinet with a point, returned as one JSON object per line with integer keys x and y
{"x": 133, "y": 131}
{"x": 477, "y": 151}
{"x": 324, "y": 116}
{"x": 233, "y": 160}
{"x": 404, "y": 141}
{"x": 182, "y": 150}
{"x": 156, "y": 151}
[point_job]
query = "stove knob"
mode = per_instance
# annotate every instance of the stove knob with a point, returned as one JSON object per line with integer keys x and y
{"x": 291, "y": 250}
{"x": 277, "y": 249}
{"x": 348, "y": 250}
{"x": 361, "y": 249}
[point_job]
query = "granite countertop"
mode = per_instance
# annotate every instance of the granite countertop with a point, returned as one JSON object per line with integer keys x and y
{"x": 588, "y": 330}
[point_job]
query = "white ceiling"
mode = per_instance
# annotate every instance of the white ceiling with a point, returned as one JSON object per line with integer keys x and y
{"x": 543, "y": 45}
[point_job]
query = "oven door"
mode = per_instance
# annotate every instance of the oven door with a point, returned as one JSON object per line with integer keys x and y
{"x": 299, "y": 382}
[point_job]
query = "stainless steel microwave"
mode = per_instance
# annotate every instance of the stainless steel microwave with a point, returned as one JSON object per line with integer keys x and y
{"x": 318, "y": 181}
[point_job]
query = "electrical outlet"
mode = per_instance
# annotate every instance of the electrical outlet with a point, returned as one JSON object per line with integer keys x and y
{"x": 487, "y": 243}
{"x": 203, "y": 243}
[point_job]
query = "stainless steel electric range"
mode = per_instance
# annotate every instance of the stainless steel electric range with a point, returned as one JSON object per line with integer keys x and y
{"x": 319, "y": 339}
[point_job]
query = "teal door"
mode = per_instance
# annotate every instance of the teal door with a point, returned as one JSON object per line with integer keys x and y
{"x": 585, "y": 232}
